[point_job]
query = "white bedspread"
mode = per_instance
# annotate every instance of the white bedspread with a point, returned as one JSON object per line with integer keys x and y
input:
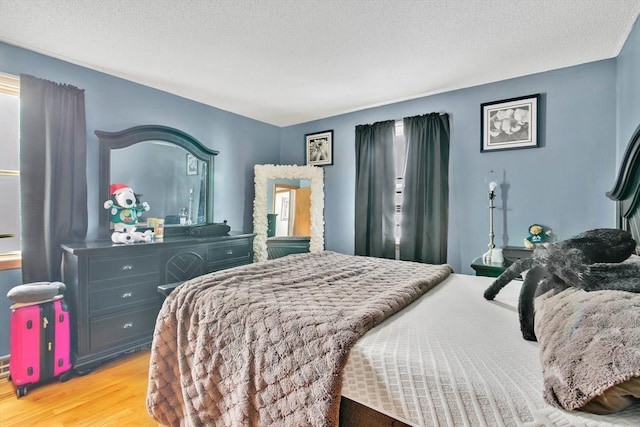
{"x": 454, "y": 359}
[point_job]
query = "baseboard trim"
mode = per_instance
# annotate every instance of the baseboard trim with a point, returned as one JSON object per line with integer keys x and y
{"x": 4, "y": 366}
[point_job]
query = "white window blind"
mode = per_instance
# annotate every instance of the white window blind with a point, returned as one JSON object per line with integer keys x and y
{"x": 10, "y": 163}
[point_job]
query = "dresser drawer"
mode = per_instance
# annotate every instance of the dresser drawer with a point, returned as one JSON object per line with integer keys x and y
{"x": 111, "y": 331}
{"x": 237, "y": 251}
{"x": 109, "y": 299}
{"x": 121, "y": 267}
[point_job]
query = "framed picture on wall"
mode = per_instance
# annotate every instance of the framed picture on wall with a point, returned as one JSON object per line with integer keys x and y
{"x": 509, "y": 123}
{"x": 319, "y": 148}
{"x": 192, "y": 165}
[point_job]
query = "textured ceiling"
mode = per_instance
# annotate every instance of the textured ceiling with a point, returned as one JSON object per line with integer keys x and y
{"x": 287, "y": 62}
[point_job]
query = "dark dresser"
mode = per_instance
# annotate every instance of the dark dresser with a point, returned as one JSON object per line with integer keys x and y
{"x": 112, "y": 290}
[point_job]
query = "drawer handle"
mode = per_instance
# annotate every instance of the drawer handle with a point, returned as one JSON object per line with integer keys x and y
{"x": 229, "y": 251}
{"x": 127, "y": 295}
{"x": 127, "y": 325}
{"x": 127, "y": 267}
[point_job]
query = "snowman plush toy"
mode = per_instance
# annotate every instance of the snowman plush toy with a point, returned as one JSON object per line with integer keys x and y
{"x": 124, "y": 210}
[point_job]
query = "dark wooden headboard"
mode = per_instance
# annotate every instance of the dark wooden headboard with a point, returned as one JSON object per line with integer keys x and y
{"x": 626, "y": 191}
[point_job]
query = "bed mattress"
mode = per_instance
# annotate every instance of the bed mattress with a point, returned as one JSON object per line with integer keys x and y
{"x": 454, "y": 359}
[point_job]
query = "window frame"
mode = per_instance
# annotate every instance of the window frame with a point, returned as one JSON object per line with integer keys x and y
{"x": 10, "y": 85}
{"x": 400, "y": 151}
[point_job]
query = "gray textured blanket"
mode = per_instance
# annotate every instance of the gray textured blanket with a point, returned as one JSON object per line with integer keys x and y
{"x": 265, "y": 344}
{"x": 589, "y": 342}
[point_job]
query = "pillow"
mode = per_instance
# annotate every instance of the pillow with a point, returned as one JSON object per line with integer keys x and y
{"x": 589, "y": 348}
{"x": 35, "y": 292}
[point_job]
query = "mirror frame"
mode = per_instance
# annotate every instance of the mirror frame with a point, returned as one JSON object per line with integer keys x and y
{"x": 121, "y": 139}
{"x": 263, "y": 173}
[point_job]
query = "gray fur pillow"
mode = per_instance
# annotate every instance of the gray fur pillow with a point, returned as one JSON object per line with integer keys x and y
{"x": 589, "y": 344}
{"x": 35, "y": 292}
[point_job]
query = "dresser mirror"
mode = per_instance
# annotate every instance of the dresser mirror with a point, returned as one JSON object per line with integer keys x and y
{"x": 167, "y": 168}
{"x": 289, "y": 203}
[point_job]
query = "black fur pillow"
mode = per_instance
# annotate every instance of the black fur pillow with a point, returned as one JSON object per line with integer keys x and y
{"x": 593, "y": 260}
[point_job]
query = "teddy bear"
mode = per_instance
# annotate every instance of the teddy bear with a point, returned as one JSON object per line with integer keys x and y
{"x": 537, "y": 235}
{"x": 124, "y": 210}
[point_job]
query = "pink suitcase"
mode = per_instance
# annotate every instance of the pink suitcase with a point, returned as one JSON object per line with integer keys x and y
{"x": 40, "y": 344}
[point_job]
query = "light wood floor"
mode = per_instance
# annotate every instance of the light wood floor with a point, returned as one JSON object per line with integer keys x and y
{"x": 112, "y": 395}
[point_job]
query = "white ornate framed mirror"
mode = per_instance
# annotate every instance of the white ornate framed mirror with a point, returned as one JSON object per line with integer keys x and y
{"x": 266, "y": 179}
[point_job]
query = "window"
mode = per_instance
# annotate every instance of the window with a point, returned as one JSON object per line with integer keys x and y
{"x": 400, "y": 153}
{"x": 9, "y": 171}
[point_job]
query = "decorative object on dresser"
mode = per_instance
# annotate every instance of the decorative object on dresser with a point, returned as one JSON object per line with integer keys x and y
{"x": 303, "y": 230}
{"x": 124, "y": 210}
{"x": 509, "y": 123}
{"x": 215, "y": 229}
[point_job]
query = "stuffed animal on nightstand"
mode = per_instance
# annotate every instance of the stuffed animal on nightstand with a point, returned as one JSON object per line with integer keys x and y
{"x": 537, "y": 235}
{"x": 124, "y": 210}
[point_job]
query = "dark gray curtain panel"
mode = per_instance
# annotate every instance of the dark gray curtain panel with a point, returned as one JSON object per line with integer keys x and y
{"x": 53, "y": 177}
{"x": 375, "y": 190}
{"x": 425, "y": 206}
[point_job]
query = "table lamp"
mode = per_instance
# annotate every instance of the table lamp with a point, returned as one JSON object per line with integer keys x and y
{"x": 493, "y": 255}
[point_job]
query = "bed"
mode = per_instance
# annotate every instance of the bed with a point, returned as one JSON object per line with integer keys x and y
{"x": 402, "y": 344}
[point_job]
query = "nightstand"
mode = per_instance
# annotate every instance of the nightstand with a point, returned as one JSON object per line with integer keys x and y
{"x": 489, "y": 270}
{"x": 510, "y": 254}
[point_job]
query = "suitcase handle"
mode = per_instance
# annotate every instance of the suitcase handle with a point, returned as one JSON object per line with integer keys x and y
{"x": 127, "y": 267}
{"x": 127, "y": 295}
{"x": 127, "y": 325}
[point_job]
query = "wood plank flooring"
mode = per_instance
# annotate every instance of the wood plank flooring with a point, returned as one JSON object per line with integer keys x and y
{"x": 112, "y": 395}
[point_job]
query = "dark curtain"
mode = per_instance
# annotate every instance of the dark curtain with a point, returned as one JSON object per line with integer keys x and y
{"x": 425, "y": 205}
{"x": 375, "y": 190}
{"x": 53, "y": 177}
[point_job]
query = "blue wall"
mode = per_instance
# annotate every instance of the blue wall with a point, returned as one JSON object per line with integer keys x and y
{"x": 114, "y": 104}
{"x": 561, "y": 185}
{"x": 628, "y": 89}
